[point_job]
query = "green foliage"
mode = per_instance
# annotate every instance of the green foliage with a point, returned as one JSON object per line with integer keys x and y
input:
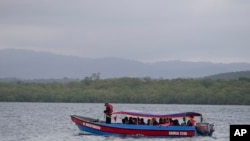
{"x": 132, "y": 90}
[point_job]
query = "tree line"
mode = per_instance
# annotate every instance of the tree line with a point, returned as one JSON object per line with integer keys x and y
{"x": 131, "y": 90}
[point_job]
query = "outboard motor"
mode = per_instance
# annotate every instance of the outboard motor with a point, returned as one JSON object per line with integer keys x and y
{"x": 205, "y": 129}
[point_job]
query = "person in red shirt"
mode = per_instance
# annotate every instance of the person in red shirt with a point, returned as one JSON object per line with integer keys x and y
{"x": 191, "y": 121}
{"x": 108, "y": 112}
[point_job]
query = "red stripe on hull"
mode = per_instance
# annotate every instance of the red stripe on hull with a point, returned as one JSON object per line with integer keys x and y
{"x": 145, "y": 132}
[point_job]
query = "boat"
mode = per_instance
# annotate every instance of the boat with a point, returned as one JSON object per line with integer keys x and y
{"x": 99, "y": 127}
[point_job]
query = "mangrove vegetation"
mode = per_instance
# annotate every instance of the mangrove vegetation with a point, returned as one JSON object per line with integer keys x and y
{"x": 131, "y": 90}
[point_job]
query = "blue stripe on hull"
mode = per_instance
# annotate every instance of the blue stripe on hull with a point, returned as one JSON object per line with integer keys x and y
{"x": 101, "y": 133}
{"x": 149, "y": 127}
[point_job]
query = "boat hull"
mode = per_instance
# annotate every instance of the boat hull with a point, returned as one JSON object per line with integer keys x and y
{"x": 117, "y": 129}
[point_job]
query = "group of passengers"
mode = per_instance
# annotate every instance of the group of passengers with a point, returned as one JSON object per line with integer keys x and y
{"x": 140, "y": 121}
{"x": 153, "y": 121}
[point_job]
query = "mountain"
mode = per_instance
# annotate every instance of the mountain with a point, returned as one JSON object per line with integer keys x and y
{"x": 25, "y": 64}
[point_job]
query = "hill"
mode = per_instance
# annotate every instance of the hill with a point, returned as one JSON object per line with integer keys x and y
{"x": 231, "y": 75}
{"x": 26, "y": 64}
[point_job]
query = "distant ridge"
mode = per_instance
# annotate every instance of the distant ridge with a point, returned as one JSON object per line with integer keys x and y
{"x": 26, "y": 64}
{"x": 231, "y": 75}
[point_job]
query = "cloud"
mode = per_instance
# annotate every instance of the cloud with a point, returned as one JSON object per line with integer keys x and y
{"x": 144, "y": 30}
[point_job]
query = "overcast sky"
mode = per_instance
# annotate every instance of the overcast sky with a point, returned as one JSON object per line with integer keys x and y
{"x": 143, "y": 30}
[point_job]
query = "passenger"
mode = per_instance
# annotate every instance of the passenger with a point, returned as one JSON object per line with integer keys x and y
{"x": 171, "y": 121}
{"x": 130, "y": 120}
{"x": 154, "y": 121}
{"x": 191, "y": 121}
{"x": 184, "y": 121}
{"x": 161, "y": 121}
{"x": 142, "y": 121}
{"x": 166, "y": 122}
{"x": 149, "y": 122}
{"x": 108, "y": 112}
{"x": 137, "y": 121}
{"x": 125, "y": 120}
{"x": 176, "y": 122}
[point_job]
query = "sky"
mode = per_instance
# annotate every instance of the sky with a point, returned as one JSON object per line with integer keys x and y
{"x": 142, "y": 30}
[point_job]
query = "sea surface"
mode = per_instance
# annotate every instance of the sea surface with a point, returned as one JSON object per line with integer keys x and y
{"x": 51, "y": 121}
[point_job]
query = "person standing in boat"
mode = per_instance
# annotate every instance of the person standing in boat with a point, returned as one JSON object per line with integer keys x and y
{"x": 108, "y": 112}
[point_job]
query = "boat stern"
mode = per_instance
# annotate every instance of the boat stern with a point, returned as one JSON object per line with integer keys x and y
{"x": 205, "y": 129}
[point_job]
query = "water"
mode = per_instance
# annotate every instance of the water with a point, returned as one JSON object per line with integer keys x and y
{"x": 51, "y": 121}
